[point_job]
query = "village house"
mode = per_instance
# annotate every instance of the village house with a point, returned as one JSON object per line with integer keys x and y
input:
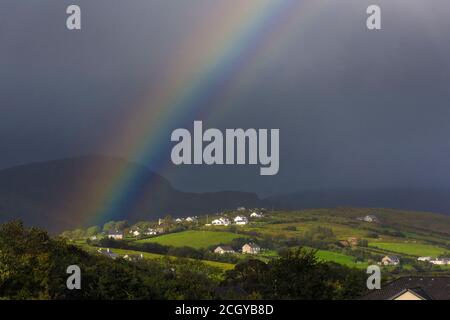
{"x": 108, "y": 253}
{"x": 256, "y": 215}
{"x": 136, "y": 233}
{"x": 221, "y": 222}
{"x": 251, "y": 248}
{"x": 224, "y": 249}
{"x": 117, "y": 235}
{"x": 390, "y": 260}
{"x": 191, "y": 219}
{"x": 241, "y": 220}
{"x": 178, "y": 220}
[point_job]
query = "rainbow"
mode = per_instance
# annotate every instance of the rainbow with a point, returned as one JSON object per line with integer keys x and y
{"x": 232, "y": 37}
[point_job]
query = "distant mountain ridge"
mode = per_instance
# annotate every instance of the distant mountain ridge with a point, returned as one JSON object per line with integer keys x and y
{"x": 59, "y": 195}
{"x": 415, "y": 199}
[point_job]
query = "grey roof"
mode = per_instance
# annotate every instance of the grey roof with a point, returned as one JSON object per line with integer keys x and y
{"x": 430, "y": 288}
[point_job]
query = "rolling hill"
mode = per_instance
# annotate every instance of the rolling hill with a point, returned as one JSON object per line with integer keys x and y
{"x": 70, "y": 193}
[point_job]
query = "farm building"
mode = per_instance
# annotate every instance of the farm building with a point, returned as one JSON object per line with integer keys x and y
{"x": 251, "y": 248}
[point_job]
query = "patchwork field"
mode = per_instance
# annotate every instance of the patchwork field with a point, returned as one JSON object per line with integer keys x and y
{"x": 193, "y": 238}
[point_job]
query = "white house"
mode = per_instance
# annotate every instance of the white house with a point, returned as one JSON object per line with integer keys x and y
{"x": 427, "y": 259}
{"x": 221, "y": 222}
{"x": 256, "y": 215}
{"x": 178, "y": 220}
{"x": 224, "y": 249}
{"x": 440, "y": 261}
{"x": 117, "y": 235}
{"x": 390, "y": 260}
{"x": 241, "y": 220}
{"x": 136, "y": 233}
{"x": 190, "y": 219}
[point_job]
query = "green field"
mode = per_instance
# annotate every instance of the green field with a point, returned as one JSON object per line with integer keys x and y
{"x": 412, "y": 249}
{"x": 331, "y": 256}
{"x": 193, "y": 238}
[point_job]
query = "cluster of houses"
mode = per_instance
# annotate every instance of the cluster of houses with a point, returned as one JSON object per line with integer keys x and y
{"x": 188, "y": 220}
{"x": 436, "y": 261}
{"x": 248, "y": 248}
{"x": 394, "y": 260}
{"x": 238, "y": 220}
{"x": 119, "y": 235}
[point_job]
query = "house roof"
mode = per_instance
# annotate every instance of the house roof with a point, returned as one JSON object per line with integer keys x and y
{"x": 430, "y": 288}
{"x": 253, "y": 245}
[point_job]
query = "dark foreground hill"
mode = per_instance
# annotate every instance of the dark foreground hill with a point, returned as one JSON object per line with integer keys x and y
{"x": 67, "y": 194}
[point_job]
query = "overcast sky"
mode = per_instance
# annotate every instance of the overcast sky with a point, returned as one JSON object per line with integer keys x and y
{"x": 355, "y": 108}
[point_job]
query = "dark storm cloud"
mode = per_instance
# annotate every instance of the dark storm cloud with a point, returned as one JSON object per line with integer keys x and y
{"x": 355, "y": 108}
